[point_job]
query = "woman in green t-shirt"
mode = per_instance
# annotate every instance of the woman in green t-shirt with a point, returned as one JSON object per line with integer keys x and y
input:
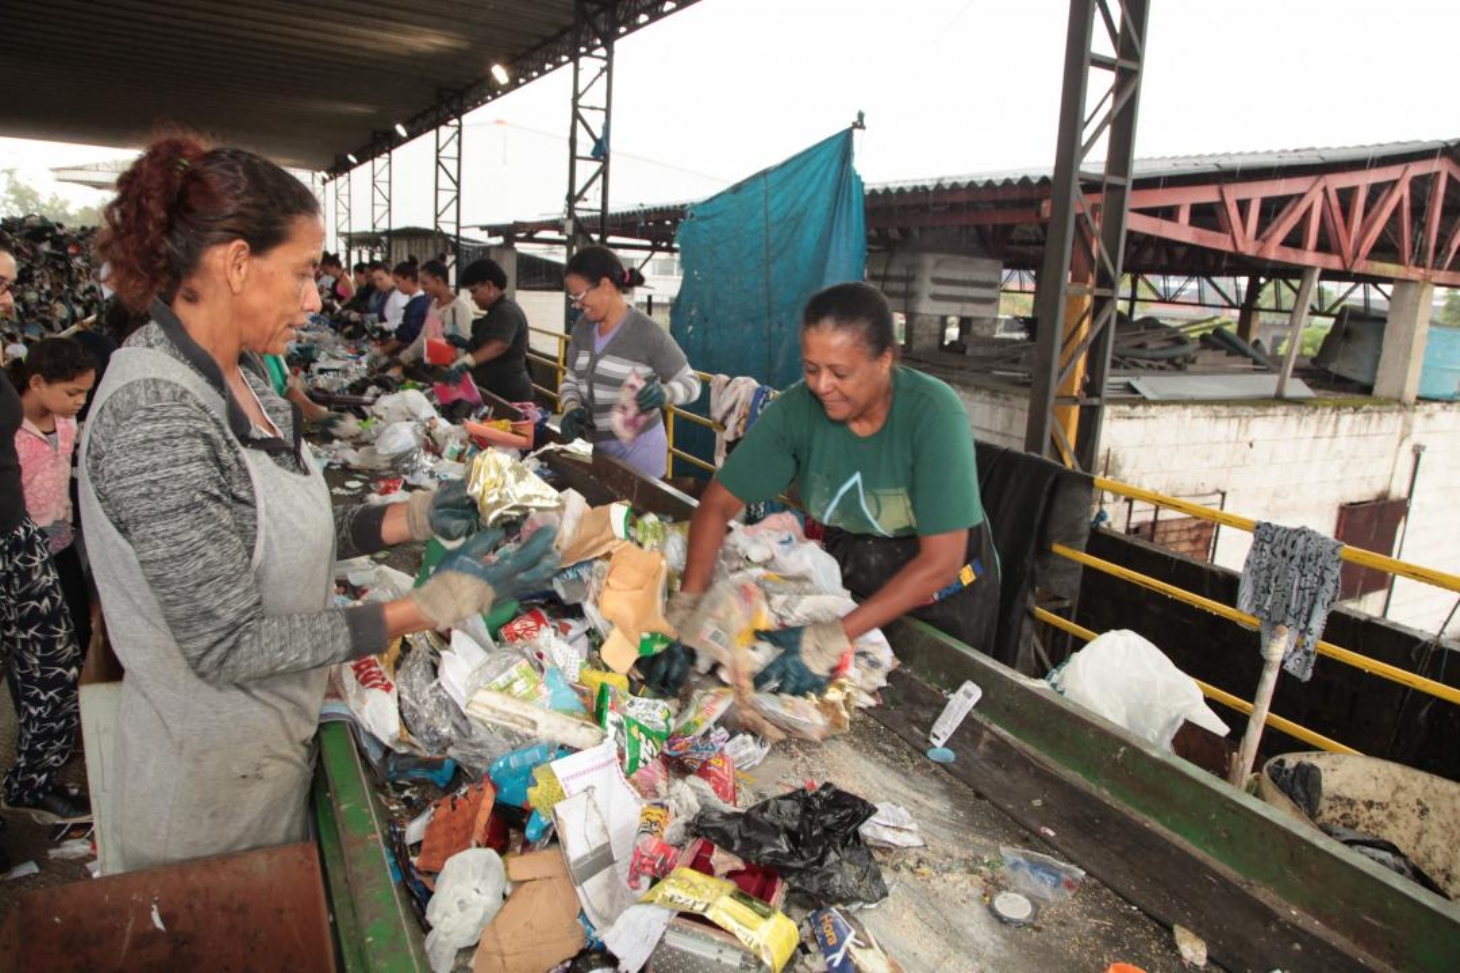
{"x": 883, "y": 457}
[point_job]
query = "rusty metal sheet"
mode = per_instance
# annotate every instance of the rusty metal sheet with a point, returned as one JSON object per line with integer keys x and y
{"x": 260, "y": 910}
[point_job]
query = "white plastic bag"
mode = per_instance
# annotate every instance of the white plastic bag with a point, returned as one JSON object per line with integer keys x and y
{"x": 1124, "y": 678}
{"x": 469, "y": 893}
{"x": 398, "y": 438}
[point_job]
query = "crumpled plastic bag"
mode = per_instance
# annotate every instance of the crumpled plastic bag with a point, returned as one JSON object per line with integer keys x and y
{"x": 469, "y": 894}
{"x": 398, "y": 439}
{"x": 433, "y": 719}
{"x": 625, "y": 419}
{"x": 810, "y": 837}
{"x": 402, "y": 406}
{"x": 1124, "y": 678}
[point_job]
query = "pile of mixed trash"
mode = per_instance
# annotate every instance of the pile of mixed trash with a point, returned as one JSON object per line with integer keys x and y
{"x": 549, "y": 810}
{"x": 56, "y": 285}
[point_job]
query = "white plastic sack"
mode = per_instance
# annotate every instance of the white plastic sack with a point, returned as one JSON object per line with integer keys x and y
{"x": 398, "y": 438}
{"x": 401, "y": 406}
{"x": 469, "y": 893}
{"x": 1124, "y": 678}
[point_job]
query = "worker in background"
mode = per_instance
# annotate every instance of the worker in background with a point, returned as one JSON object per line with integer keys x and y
{"x": 210, "y": 529}
{"x": 448, "y": 316}
{"x": 611, "y": 341}
{"x": 496, "y": 353}
{"x": 38, "y": 647}
{"x": 405, "y": 310}
{"x": 882, "y": 456}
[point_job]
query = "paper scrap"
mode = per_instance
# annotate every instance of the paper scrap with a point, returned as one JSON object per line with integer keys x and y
{"x": 21, "y": 871}
{"x": 636, "y": 934}
{"x": 892, "y": 827}
{"x": 157, "y": 917}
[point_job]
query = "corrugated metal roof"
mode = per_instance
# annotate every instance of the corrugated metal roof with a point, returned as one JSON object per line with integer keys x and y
{"x": 1250, "y": 164}
{"x": 302, "y": 83}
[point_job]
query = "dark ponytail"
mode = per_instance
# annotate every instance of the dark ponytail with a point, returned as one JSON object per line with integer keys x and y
{"x": 182, "y": 198}
{"x": 597, "y": 263}
{"x": 54, "y": 360}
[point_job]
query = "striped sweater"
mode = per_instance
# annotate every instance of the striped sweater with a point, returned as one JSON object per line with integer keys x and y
{"x": 639, "y": 345}
{"x": 166, "y": 471}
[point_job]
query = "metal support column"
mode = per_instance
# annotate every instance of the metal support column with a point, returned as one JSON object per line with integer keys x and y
{"x": 1076, "y": 324}
{"x": 586, "y": 214}
{"x": 380, "y": 186}
{"x": 448, "y": 192}
{"x": 342, "y": 220}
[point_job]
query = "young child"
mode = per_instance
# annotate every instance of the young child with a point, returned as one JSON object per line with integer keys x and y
{"x": 54, "y": 381}
{"x": 38, "y": 646}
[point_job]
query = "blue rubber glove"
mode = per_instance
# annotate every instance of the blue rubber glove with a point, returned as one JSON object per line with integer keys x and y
{"x": 651, "y": 396}
{"x": 455, "y": 372}
{"x": 525, "y": 568}
{"x": 808, "y": 657}
{"x": 666, "y": 671}
{"x": 458, "y": 341}
{"x": 574, "y": 424}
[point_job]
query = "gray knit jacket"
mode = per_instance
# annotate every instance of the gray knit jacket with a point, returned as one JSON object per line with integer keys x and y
{"x": 166, "y": 472}
{"x": 638, "y": 345}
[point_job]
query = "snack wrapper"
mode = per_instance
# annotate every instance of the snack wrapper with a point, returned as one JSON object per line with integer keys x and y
{"x": 653, "y": 858}
{"x": 763, "y": 930}
{"x": 638, "y": 726}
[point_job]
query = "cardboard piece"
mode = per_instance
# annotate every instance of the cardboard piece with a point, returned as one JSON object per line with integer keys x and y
{"x": 538, "y": 926}
{"x": 633, "y": 600}
{"x": 596, "y": 536}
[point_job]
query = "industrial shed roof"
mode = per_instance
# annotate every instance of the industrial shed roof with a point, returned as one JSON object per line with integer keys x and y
{"x": 305, "y": 84}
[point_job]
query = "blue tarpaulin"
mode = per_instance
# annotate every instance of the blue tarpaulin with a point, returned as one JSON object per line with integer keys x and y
{"x": 753, "y": 254}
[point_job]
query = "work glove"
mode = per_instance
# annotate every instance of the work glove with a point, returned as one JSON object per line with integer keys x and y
{"x": 459, "y": 368}
{"x": 808, "y": 657}
{"x": 340, "y": 425}
{"x": 574, "y": 424}
{"x": 464, "y": 585}
{"x": 666, "y": 671}
{"x": 651, "y": 396}
{"x": 458, "y": 341}
{"x": 682, "y": 613}
{"x": 448, "y": 512}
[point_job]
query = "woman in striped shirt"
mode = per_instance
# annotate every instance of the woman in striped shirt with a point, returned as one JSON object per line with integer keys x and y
{"x": 612, "y": 341}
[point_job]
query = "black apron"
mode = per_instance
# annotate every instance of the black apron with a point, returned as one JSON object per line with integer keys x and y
{"x": 969, "y": 614}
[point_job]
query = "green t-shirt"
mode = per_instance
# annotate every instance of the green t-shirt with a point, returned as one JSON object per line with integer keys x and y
{"x": 914, "y": 476}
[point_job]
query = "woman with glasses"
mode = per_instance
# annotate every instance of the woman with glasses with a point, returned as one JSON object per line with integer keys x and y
{"x": 612, "y": 341}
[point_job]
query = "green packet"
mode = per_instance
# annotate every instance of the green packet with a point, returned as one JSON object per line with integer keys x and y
{"x": 637, "y": 725}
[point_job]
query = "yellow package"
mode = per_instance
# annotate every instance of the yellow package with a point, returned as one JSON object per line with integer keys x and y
{"x": 762, "y": 929}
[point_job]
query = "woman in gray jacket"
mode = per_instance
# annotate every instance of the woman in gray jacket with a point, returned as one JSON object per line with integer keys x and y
{"x": 611, "y": 341}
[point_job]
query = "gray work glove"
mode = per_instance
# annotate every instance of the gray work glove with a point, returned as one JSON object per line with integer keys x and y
{"x": 448, "y": 512}
{"x": 465, "y": 585}
{"x": 682, "y": 613}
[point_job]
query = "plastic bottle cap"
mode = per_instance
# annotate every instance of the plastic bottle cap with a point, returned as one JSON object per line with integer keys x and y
{"x": 1013, "y": 908}
{"x": 941, "y": 755}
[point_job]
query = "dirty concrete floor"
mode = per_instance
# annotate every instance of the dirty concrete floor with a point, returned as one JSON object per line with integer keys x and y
{"x": 23, "y": 839}
{"x": 936, "y": 917}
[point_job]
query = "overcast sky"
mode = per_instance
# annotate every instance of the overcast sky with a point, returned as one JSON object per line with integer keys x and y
{"x": 727, "y": 87}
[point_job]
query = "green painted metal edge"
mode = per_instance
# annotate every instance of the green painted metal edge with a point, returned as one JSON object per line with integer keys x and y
{"x": 1374, "y": 908}
{"x": 386, "y": 935}
{"x": 345, "y": 923}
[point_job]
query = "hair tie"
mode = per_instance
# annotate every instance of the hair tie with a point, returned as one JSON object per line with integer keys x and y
{"x": 628, "y": 276}
{"x": 182, "y": 164}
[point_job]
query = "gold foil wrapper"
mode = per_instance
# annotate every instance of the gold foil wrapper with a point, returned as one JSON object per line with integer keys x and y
{"x": 503, "y": 488}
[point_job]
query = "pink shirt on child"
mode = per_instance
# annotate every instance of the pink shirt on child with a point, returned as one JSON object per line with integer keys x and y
{"x": 45, "y": 474}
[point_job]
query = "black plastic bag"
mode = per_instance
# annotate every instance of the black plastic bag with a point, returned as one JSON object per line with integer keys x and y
{"x": 809, "y": 837}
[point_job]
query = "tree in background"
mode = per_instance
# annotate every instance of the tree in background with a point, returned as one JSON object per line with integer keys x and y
{"x": 20, "y": 198}
{"x": 1449, "y": 314}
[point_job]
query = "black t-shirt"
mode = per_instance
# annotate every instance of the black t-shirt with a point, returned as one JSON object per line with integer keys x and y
{"x": 12, "y": 491}
{"x": 505, "y": 375}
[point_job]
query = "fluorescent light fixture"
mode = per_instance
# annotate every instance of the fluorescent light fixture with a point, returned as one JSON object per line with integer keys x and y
{"x": 499, "y": 74}
{"x": 351, "y": 156}
{"x": 401, "y": 130}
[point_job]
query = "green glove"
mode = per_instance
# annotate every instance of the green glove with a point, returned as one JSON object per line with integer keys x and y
{"x": 666, "y": 671}
{"x": 448, "y": 512}
{"x": 465, "y": 585}
{"x": 574, "y": 424}
{"x": 808, "y": 656}
{"x": 651, "y": 396}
